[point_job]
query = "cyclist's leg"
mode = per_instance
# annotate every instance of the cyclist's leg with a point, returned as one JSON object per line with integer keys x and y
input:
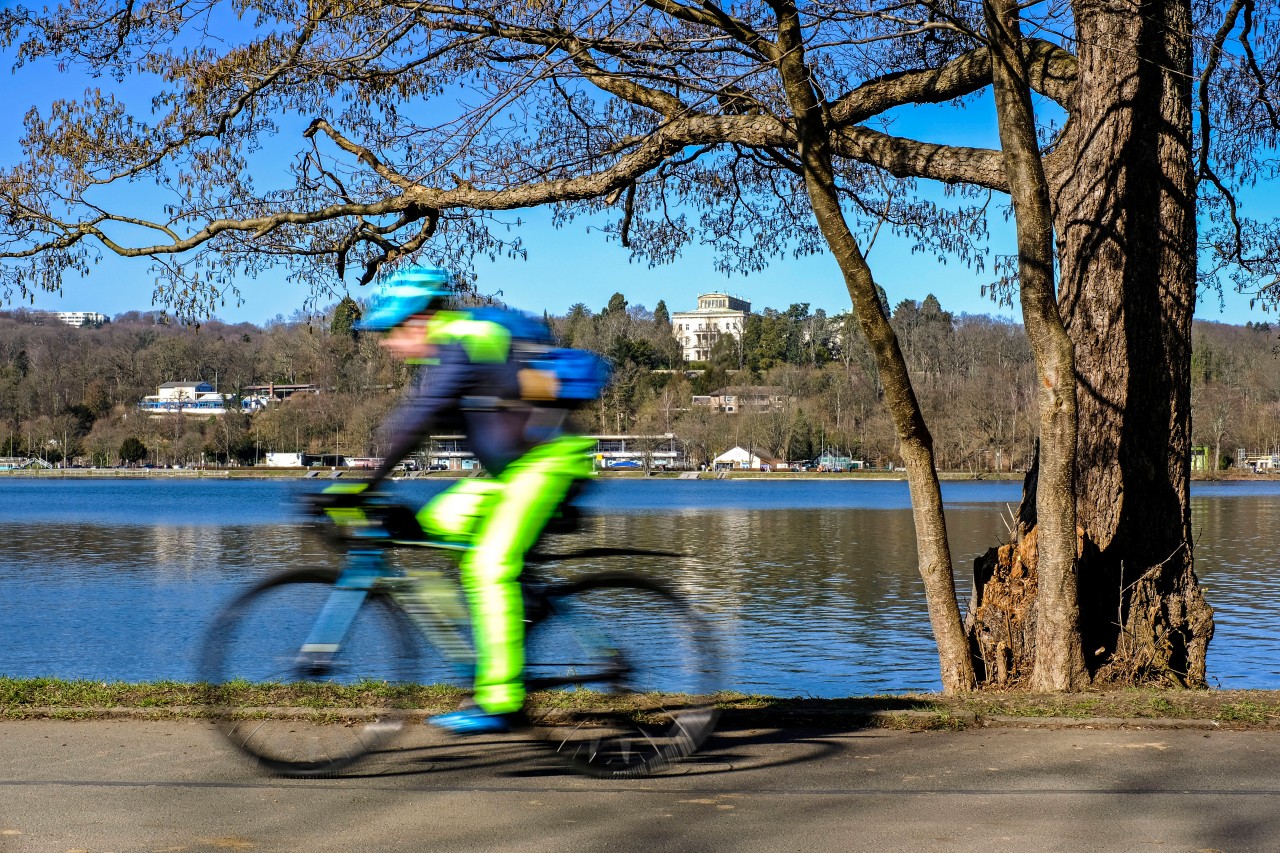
{"x": 533, "y": 488}
{"x": 454, "y": 514}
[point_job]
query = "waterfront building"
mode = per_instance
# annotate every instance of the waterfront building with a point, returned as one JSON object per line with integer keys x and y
{"x": 833, "y": 460}
{"x": 743, "y": 459}
{"x": 626, "y": 451}
{"x": 717, "y": 314}
{"x": 285, "y": 460}
{"x": 195, "y": 398}
{"x": 452, "y": 453}
{"x": 18, "y": 463}
{"x": 1257, "y": 462}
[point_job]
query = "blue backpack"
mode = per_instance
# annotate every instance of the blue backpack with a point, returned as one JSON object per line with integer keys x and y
{"x": 565, "y": 375}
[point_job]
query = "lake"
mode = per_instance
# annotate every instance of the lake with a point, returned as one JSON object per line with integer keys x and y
{"x": 812, "y": 583}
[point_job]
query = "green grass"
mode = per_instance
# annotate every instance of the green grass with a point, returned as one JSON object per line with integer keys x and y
{"x": 82, "y": 699}
{"x": 1251, "y": 712}
{"x": 23, "y": 697}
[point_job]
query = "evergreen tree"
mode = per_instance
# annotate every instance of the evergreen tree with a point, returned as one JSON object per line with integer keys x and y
{"x": 662, "y": 317}
{"x": 132, "y": 451}
{"x": 617, "y": 305}
{"x": 345, "y": 316}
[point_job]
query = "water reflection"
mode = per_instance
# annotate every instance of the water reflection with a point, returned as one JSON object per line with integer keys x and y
{"x": 1237, "y": 556}
{"x": 809, "y": 601}
{"x": 88, "y": 601}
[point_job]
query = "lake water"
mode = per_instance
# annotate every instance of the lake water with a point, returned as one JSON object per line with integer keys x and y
{"x": 812, "y": 583}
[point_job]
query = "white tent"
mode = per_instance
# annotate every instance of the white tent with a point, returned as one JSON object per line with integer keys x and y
{"x": 742, "y": 459}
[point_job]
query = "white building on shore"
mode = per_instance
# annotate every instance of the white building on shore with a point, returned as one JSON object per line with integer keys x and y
{"x": 195, "y": 398}
{"x": 748, "y": 459}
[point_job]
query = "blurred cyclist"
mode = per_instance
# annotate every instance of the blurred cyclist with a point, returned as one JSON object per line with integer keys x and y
{"x": 484, "y": 382}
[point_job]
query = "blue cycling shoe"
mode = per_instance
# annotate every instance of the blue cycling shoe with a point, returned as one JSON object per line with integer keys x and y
{"x": 471, "y": 721}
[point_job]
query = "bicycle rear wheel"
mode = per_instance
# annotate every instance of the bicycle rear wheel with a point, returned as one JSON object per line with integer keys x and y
{"x": 299, "y": 716}
{"x": 622, "y": 674}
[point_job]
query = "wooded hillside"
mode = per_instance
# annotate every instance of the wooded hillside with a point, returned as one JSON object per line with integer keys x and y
{"x": 973, "y": 372}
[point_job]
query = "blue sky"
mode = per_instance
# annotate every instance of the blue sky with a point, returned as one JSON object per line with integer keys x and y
{"x": 571, "y": 265}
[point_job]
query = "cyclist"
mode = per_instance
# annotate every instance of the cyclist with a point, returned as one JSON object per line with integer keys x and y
{"x": 480, "y": 382}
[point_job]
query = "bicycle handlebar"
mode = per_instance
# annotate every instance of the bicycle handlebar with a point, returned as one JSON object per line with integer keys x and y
{"x": 396, "y": 521}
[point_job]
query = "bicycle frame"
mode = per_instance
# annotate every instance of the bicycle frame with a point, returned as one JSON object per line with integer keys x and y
{"x": 363, "y": 571}
{"x": 367, "y": 570}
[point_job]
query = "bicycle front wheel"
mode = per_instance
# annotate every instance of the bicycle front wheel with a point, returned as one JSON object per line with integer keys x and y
{"x": 299, "y": 716}
{"x": 622, "y": 674}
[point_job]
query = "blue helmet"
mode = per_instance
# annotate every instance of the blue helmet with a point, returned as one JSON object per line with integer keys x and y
{"x": 405, "y": 294}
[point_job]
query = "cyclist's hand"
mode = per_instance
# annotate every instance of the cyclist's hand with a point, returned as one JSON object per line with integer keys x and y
{"x": 337, "y": 496}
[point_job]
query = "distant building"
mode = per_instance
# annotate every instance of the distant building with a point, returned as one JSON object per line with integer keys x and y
{"x": 170, "y": 391}
{"x": 278, "y": 459}
{"x": 451, "y": 452}
{"x": 1257, "y": 462}
{"x": 748, "y": 460}
{"x": 80, "y": 318}
{"x": 17, "y": 463}
{"x": 654, "y": 451}
{"x": 834, "y": 461}
{"x": 195, "y": 398}
{"x": 743, "y": 398}
{"x": 277, "y": 391}
{"x": 717, "y": 314}
{"x": 286, "y": 460}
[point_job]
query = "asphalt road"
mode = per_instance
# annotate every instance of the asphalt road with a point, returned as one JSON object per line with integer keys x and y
{"x": 171, "y": 786}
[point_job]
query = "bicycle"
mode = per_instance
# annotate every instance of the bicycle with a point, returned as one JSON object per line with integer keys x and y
{"x": 597, "y": 697}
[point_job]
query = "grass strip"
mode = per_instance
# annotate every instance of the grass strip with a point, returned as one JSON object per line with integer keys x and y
{"x": 81, "y": 699}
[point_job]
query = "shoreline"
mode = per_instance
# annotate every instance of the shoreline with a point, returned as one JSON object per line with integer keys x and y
{"x": 46, "y": 698}
{"x": 345, "y": 474}
{"x": 349, "y": 474}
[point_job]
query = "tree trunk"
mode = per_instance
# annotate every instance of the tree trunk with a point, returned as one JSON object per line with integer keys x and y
{"x": 1125, "y": 215}
{"x": 1127, "y": 219}
{"x": 1059, "y": 658}
{"x": 932, "y": 548}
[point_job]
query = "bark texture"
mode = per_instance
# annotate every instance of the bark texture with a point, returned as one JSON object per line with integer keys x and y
{"x": 1001, "y": 621}
{"x": 1124, "y": 208}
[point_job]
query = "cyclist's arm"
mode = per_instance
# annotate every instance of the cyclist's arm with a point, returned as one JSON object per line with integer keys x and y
{"x": 433, "y": 396}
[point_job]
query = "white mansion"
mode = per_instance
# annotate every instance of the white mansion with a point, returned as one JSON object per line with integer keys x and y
{"x": 80, "y": 318}
{"x": 717, "y": 314}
